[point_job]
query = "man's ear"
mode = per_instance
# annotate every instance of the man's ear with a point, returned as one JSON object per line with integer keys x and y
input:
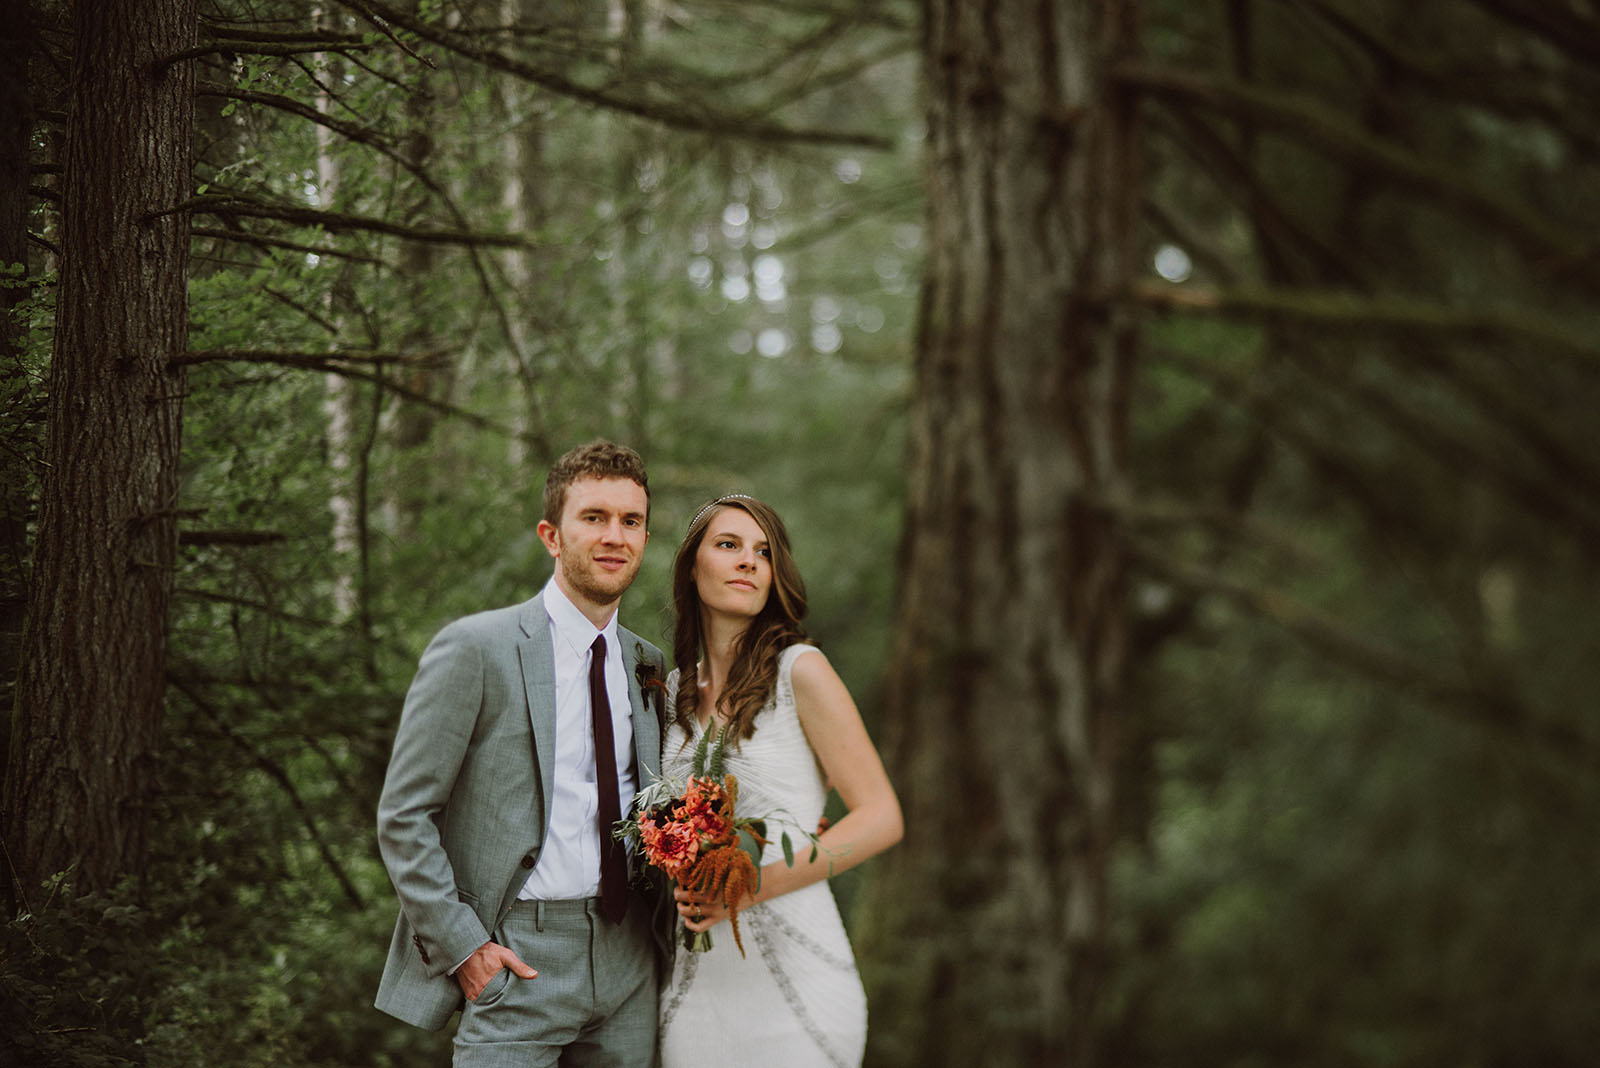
{"x": 550, "y": 536}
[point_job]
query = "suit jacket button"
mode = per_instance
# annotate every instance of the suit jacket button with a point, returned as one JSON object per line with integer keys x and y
{"x": 527, "y": 861}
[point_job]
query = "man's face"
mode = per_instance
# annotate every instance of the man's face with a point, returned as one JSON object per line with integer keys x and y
{"x": 599, "y": 543}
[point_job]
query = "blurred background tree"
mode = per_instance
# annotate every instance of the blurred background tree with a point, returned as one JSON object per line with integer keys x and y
{"x": 1235, "y": 466}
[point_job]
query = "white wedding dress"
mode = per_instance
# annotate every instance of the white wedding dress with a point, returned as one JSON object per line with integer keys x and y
{"x": 795, "y": 1000}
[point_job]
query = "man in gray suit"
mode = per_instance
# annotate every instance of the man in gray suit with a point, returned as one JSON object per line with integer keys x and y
{"x": 524, "y": 730}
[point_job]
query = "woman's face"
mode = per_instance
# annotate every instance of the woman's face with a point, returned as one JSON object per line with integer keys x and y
{"x": 733, "y": 566}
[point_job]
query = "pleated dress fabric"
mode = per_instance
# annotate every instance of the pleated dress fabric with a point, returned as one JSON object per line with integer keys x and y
{"x": 795, "y": 999}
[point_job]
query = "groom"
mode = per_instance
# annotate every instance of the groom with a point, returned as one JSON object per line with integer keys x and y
{"x": 523, "y": 738}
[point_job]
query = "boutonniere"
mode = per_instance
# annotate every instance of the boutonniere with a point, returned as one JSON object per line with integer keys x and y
{"x": 649, "y": 678}
{"x": 646, "y": 673}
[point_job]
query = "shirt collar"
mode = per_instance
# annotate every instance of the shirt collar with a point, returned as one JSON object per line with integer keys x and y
{"x": 573, "y": 626}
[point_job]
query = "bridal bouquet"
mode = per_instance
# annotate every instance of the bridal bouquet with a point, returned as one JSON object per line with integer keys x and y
{"x": 695, "y": 836}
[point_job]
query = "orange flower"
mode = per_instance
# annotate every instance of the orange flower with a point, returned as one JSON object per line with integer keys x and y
{"x": 671, "y": 847}
{"x": 727, "y": 873}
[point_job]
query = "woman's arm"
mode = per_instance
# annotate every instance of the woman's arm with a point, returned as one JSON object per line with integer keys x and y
{"x": 851, "y": 763}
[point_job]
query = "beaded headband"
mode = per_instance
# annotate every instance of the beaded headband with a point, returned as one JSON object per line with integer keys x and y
{"x": 724, "y": 499}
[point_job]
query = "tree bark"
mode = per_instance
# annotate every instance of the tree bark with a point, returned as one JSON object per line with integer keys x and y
{"x": 90, "y": 694}
{"x": 17, "y": 42}
{"x": 1007, "y": 677}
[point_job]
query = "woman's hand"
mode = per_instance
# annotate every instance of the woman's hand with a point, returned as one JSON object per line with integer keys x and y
{"x": 699, "y": 912}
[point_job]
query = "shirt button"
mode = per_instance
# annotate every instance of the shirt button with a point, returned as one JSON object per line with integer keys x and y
{"x": 527, "y": 861}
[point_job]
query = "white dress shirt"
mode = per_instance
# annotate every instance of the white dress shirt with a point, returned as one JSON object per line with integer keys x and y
{"x": 569, "y": 863}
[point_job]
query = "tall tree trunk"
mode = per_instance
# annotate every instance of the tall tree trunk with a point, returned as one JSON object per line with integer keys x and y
{"x": 631, "y": 270}
{"x": 90, "y": 693}
{"x": 1007, "y": 676}
{"x": 339, "y": 393}
{"x": 525, "y": 195}
{"x": 17, "y": 37}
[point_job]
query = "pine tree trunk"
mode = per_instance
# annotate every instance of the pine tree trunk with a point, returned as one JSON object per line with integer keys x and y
{"x": 90, "y": 694}
{"x": 1008, "y": 673}
{"x": 17, "y": 37}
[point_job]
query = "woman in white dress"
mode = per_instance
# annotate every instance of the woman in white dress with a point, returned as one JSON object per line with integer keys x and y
{"x": 794, "y": 999}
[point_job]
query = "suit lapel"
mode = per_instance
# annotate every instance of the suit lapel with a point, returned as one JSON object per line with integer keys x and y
{"x": 646, "y": 731}
{"x": 537, "y": 654}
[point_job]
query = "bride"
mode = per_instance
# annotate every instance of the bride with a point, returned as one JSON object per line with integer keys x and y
{"x": 794, "y": 998}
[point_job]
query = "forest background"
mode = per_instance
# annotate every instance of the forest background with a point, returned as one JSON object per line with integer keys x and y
{"x": 1184, "y": 412}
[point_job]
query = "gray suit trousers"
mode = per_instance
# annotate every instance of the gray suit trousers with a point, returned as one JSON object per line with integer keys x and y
{"x": 592, "y": 1005}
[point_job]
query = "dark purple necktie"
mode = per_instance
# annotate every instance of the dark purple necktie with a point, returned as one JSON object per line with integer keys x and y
{"x": 613, "y": 865}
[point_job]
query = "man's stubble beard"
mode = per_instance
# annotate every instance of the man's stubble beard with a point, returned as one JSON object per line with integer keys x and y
{"x": 581, "y": 580}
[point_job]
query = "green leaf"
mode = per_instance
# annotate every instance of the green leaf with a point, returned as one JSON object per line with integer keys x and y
{"x": 715, "y": 763}
{"x": 752, "y": 845}
{"x": 788, "y": 849}
{"x": 699, "y": 764}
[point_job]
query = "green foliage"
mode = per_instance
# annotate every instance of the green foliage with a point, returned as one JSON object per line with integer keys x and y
{"x": 74, "y": 979}
{"x": 1316, "y": 867}
{"x": 365, "y": 446}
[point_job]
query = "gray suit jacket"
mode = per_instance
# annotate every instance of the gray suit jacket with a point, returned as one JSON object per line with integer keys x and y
{"x": 464, "y": 807}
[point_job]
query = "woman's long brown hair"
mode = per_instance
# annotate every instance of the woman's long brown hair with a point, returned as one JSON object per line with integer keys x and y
{"x": 755, "y": 655}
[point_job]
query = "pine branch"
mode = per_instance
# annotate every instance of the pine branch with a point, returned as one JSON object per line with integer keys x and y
{"x": 236, "y": 47}
{"x": 1570, "y": 506}
{"x": 1337, "y": 310}
{"x": 1151, "y": 513}
{"x": 1570, "y": 27}
{"x": 1437, "y": 327}
{"x": 240, "y": 32}
{"x": 681, "y": 115}
{"x": 1167, "y": 221}
{"x": 1310, "y": 120}
{"x": 247, "y": 237}
{"x": 1517, "y": 93}
{"x": 256, "y": 606}
{"x": 230, "y": 537}
{"x": 1483, "y": 705}
{"x": 238, "y": 206}
{"x": 348, "y": 367}
{"x": 366, "y": 135}
{"x": 1236, "y": 179}
{"x": 316, "y": 360}
{"x": 1371, "y": 492}
{"x": 193, "y": 676}
{"x": 44, "y": 243}
{"x": 281, "y": 777}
